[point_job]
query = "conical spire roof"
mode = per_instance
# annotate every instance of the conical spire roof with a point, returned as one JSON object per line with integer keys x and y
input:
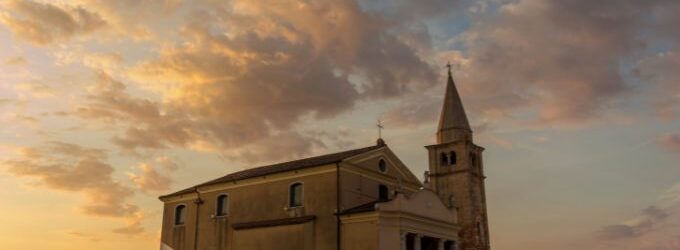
{"x": 453, "y": 114}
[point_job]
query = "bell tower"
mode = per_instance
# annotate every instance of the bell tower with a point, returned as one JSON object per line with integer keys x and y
{"x": 456, "y": 171}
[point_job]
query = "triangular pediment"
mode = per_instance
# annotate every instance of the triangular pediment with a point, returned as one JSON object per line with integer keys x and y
{"x": 423, "y": 203}
{"x": 395, "y": 168}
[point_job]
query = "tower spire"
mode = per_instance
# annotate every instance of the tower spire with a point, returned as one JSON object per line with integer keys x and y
{"x": 453, "y": 123}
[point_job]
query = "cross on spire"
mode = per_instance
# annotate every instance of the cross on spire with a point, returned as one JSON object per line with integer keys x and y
{"x": 448, "y": 65}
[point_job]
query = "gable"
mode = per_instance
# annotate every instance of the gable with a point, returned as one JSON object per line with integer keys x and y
{"x": 369, "y": 162}
{"x": 423, "y": 203}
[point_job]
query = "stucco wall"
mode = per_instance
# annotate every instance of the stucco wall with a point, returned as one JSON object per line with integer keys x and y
{"x": 289, "y": 237}
{"x": 266, "y": 198}
{"x": 258, "y": 199}
{"x": 361, "y": 235}
{"x": 179, "y": 237}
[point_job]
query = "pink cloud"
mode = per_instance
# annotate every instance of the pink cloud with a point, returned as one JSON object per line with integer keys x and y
{"x": 670, "y": 142}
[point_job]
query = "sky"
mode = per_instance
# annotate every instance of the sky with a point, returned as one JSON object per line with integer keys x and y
{"x": 105, "y": 105}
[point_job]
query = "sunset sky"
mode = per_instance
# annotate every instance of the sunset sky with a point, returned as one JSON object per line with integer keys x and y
{"x": 105, "y": 105}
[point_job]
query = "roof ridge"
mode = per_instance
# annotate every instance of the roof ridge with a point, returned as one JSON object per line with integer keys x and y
{"x": 282, "y": 167}
{"x": 308, "y": 158}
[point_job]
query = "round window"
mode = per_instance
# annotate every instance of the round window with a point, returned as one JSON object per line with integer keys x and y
{"x": 382, "y": 166}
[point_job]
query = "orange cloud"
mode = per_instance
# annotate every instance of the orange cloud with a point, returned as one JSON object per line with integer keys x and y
{"x": 16, "y": 61}
{"x": 4, "y": 101}
{"x": 72, "y": 168}
{"x": 45, "y": 23}
{"x": 133, "y": 227}
{"x": 36, "y": 89}
{"x": 154, "y": 177}
{"x": 84, "y": 236}
{"x": 269, "y": 66}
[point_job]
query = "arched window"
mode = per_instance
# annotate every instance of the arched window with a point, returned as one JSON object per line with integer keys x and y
{"x": 382, "y": 166}
{"x": 383, "y": 193}
{"x": 445, "y": 159}
{"x": 473, "y": 159}
{"x": 180, "y": 214}
{"x": 453, "y": 158}
{"x": 295, "y": 192}
{"x": 222, "y": 205}
{"x": 451, "y": 201}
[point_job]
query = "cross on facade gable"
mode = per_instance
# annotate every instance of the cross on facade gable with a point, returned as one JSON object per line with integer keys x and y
{"x": 380, "y": 128}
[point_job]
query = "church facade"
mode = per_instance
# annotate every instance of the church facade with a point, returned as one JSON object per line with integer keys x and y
{"x": 363, "y": 198}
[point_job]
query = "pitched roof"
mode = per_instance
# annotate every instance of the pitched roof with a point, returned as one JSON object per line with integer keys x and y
{"x": 453, "y": 114}
{"x": 281, "y": 167}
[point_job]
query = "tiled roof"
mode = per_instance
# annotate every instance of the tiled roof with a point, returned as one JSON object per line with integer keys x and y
{"x": 282, "y": 167}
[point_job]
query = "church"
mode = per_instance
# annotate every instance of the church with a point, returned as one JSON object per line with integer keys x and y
{"x": 360, "y": 199}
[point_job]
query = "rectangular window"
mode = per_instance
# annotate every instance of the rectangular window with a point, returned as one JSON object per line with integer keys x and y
{"x": 296, "y": 198}
{"x": 222, "y": 205}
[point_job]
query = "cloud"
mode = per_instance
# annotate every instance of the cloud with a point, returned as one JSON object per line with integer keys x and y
{"x": 671, "y": 197}
{"x": 671, "y": 142}
{"x": 83, "y": 235}
{"x": 269, "y": 149}
{"x": 36, "y": 89}
{"x": 133, "y": 227}
{"x": 134, "y": 19}
{"x": 109, "y": 101}
{"x": 655, "y": 227}
{"x": 107, "y": 62}
{"x": 649, "y": 219}
{"x": 614, "y": 232}
{"x": 76, "y": 150}
{"x": 668, "y": 18}
{"x": 154, "y": 178}
{"x": 555, "y": 61}
{"x": 16, "y": 61}
{"x": 4, "y": 101}
{"x": 414, "y": 112}
{"x": 662, "y": 77}
{"x": 247, "y": 73}
{"x": 426, "y": 9}
{"x": 45, "y": 23}
{"x": 73, "y": 168}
